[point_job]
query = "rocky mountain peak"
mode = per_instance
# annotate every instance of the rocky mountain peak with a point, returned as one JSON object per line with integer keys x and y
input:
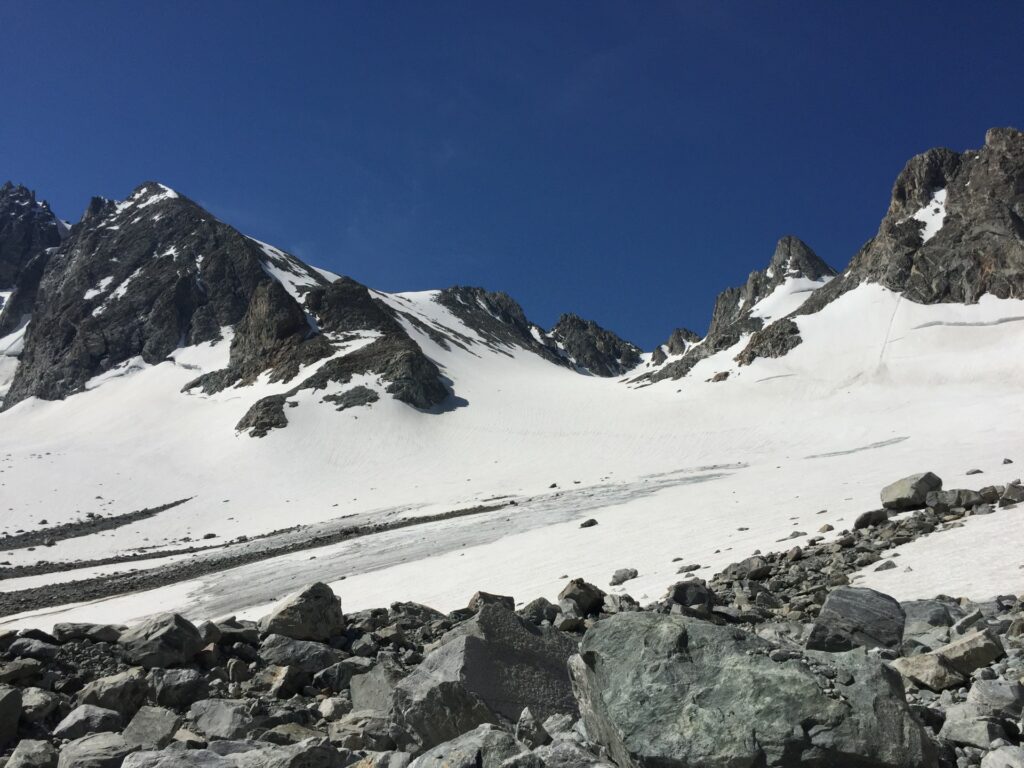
{"x": 595, "y": 350}
{"x": 27, "y": 228}
{"x": 794, "y": 258}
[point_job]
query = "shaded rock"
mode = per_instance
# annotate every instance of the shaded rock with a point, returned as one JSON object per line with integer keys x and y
{"x": 376, "y": 689}
{"x": 493, "y": 665}
{"x": 10, "y": 711}
{"x": 166, "y": 640}
{"x": 30, "y": 648}
{"x": 929, "y": 671}
{"x": 86, "y": 719}
{"x": 124, "y": 692}
{"x": 99, "y": 633}
{"x": 314, "y": 613}
{"x": 870, "y": 518}
{"x": 33, "y": 754}
{"x": 855, "y": 616}
{"x": 37, "y": 705}
{"x": 622, "y": 575}
{"x": 972, "y": 651}
{"x": 910, "y": 492}
{"x": 99, "y": 750}
{"x": 584, "y": 597}
{"x": 307, "y": 655}
{"x": 484, "y": 747}
{"x": 221, "y": 718}
{"x": 530, "y": 730}
{"x": 152, "y": 728}
{"x": 480, "y": 599}
{"x": 178, "y": 688}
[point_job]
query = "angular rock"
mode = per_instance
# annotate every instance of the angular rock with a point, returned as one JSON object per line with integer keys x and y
{"x": 856, "y": 616}
{"x": 975, "y": 650}
{"x": 221, "y": 718}
{"x": 931, "y": 671}
{"x": 86, "y": 719}
{"x": 622, "y": 575}
{"x": 124, "y": 692}
{"x": 37, "y": 705}
{"x": 484, "y": 747}
{"x": 178, "y": 688}
{"x": 376, "y": 688}
{"x": 30, "y": 648}
{"x": 870, "y": 518}
{"x": 967, "y": 725}
{"x": 65, "y": 632}
{"x": 10, "y": 711}
{"x": 152, "y": 728}
{"x": 313, "y": 613}
{"x": 530, "y": 730}
{"x": 33, "y": 754}
{"x": 493, "y": 665}
{"x": 307, "y": 655}
{"x": 165, "y": 640}
{"x": 675, "y": 692}
{"x": 1004, "y": 757}
{"x": 99, "y": 750}
{"x": 480, "y": 599}
{"x": 910, "y": 492}
{"x": 584, "y": 597}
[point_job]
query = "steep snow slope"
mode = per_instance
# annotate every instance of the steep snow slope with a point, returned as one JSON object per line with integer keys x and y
{"x": 704, "y": 471}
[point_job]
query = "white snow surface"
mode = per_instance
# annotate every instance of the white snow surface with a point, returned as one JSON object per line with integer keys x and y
{"x": 880, "y": 388}
{"x": 932, "y": 216}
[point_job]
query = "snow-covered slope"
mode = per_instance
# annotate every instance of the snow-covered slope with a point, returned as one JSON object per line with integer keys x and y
{"x": 485, "y": 488}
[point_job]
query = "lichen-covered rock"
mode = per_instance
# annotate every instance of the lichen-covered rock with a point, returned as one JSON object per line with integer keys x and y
{"x": 676, "y": 692}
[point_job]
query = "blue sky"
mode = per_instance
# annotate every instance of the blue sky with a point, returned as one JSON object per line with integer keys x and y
{"x": 625, "y": 161}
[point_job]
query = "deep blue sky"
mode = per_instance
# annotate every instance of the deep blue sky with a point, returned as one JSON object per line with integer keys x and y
{"x": 625, "y": 161}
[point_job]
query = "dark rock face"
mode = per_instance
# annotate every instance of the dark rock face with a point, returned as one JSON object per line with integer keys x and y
{"x": 974, "y": 244}
{"x": 857, "y": 617}
{"x": 135, "y": 279}
{"x": 27, "y": 228}
{"x": 491, "y": 667}
{"x": 732, "y": 317}
{"x": 670, "y": 691}
{"x": 592, "y": 348}
{"x": 146, "y": 276}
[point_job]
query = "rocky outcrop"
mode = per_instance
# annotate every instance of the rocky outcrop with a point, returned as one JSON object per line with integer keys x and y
{"x": 135, "y": 279}
{"x": 735, "y": 315}
{"x": 954, "y": 231}
{"x": 593, "y": 349}
{"x": 27, "y": 228}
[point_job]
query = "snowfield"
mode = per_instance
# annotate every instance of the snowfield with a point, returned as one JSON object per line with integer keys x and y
{"x": 707, "y": 472}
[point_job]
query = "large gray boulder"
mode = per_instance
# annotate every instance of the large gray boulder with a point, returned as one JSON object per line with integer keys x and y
{"x": 86, "y": 719}
{"x": 484, "y": 747}
{"x": 152, "y": 728}
{"x": 313, "y": 613}
{"x": 675, "y": 692}
{"x": 165, "y": 640}
{"x": 33, "y": 754}
{"x": 99, "y": 750}
{"x": 910, "y": 492}
{"x": 309, "y": 656}
{"x": 854, "y": 617}
{"x": 178, "y": 688}
{"x": 490, "y": 667}
{"x": 376, "y": 688}
{"x": 10, "y": 711}
{"x": 124, "y": 692}
{"x": 221, "y": 718}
